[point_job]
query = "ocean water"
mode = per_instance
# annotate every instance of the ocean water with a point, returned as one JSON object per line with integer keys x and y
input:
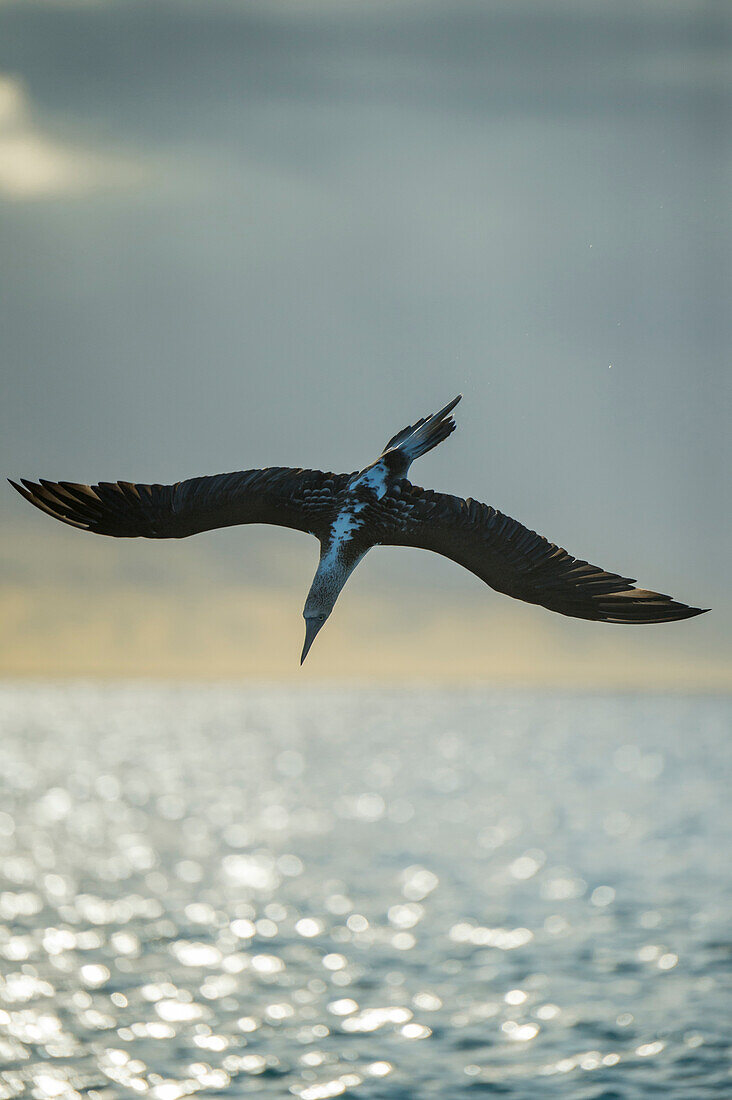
{"x": 377, "y": 894}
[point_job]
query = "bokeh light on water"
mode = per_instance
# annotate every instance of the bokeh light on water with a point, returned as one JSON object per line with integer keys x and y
{"x": 269, "y": 892}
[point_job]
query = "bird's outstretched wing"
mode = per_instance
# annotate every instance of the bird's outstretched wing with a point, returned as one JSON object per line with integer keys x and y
{"x": 301, "y": 499}
{"x": 514, "y": 560}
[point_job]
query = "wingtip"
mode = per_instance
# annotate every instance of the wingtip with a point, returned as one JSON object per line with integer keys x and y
{"x": 24, "y": 492}
{"x": 686, "y": 612}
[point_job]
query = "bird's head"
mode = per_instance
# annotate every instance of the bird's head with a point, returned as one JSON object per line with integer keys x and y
{"x": 313, "y": 624}
{"x": 318, "y": 606}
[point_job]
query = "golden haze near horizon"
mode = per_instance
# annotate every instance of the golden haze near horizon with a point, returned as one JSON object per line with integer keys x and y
{"x": 231, "y": 609}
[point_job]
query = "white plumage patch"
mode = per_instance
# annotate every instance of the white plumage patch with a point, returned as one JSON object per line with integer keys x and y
{"x": 343, "y": 528}
{"x": 375, "y": 478}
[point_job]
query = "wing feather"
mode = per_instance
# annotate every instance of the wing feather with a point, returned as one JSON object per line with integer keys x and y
{"x": 517, "y": 561}
{"x": 300, "y": 499}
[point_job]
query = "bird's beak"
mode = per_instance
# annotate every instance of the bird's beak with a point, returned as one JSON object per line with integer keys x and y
{"x": 312, "y": 626}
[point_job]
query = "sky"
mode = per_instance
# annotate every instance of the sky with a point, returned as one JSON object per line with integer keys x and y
{"x": 244, "y": 234}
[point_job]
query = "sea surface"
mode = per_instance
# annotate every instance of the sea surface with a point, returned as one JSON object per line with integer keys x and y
{"x": 276, "y": 892}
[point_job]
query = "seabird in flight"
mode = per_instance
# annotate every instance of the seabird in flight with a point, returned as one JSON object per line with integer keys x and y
{"x": 350, "y": 513}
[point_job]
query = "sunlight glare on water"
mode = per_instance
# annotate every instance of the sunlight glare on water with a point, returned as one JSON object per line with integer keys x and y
{"x": 381, "y": 894}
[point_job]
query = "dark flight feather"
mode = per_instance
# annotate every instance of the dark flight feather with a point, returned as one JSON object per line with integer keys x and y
{"x": 516, "y": 561}
{"x": 299, "y": 499}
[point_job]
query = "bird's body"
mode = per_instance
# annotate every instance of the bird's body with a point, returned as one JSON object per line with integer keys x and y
{"x": 351, "y": 513}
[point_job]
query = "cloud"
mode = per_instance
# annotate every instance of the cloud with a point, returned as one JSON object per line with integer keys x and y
{"x": 34, "y": 165}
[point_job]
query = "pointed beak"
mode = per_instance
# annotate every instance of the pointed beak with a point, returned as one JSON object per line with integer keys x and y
{"x": 312, "y": 626}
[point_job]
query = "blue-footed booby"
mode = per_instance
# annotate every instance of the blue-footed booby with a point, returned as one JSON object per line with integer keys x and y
{"x": 351, "y": 513}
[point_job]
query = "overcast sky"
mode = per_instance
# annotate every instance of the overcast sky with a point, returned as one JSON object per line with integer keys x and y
{"x": 240, "y": 234}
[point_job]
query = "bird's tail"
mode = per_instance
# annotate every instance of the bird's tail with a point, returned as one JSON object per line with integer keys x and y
{"x": 416, "y": 439}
